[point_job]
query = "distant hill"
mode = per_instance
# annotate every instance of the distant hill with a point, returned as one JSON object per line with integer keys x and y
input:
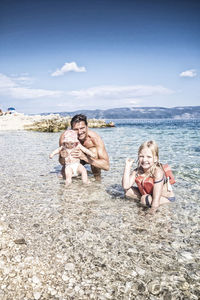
{"x": 180, "y": 112}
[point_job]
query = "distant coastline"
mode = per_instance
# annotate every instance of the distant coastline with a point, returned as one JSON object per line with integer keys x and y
{"x": 179, "y": 112}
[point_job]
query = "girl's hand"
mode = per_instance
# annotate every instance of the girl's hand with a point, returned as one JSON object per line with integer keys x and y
{"x": 129, "y": 162}
{"x": 153, "y": 210}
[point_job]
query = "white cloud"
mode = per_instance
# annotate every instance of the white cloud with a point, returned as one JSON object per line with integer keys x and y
{"x": 120, "y": 92}
{"x": 189, "y": 73}
{"x": 106, "y": 96}
{"x": 9, "y": 87}
{"x": 27, "y": 93}
{"x": 24, "y": 79}
{"x": 68, "y": 67}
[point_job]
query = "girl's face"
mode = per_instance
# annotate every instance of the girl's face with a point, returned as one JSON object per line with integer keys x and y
{"x": 146, "y": 159}
{"x": 69, "y": 145}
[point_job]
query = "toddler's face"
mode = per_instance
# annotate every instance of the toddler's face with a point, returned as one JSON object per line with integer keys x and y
{"x": 146, "y": 159}
{"x": 69, "y": 145}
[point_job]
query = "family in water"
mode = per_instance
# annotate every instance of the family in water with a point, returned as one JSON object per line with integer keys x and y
{"x": 80, "y": 145}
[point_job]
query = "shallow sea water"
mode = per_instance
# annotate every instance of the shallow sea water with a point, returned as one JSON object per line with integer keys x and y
{"x": 89, "y": 242}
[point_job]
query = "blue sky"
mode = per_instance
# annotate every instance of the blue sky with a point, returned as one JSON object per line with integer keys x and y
{"x": 87, "y": 54}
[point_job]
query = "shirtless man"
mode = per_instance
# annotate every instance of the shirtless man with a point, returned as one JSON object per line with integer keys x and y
{"x": 92, "y": 141}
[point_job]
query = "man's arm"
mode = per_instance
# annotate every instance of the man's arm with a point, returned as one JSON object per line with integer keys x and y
{"x": 102, "y": 160}
{"x": 86, "y": 151}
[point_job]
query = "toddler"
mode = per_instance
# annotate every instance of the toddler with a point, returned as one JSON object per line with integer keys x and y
{"x": 73, "y": 167}
{"x": 152, "y": 178}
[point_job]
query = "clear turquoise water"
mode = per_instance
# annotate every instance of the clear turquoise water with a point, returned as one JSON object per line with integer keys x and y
{"x": 124, "y": 249}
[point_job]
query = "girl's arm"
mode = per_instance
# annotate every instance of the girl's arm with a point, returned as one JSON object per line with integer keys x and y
{"x": 57, "y": 151}
{"x": 86, "y": 151}
{"x": 158, "y": 187}
{"x": 128, "y": 179}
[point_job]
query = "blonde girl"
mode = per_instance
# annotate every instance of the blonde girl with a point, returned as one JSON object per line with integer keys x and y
{"x": 151, "y": 177}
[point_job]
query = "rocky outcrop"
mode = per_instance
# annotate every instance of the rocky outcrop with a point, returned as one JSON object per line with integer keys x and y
{"x": 55, "y": 124}
{"x": 58, "y": 123}
{"x": 99, "y": 123}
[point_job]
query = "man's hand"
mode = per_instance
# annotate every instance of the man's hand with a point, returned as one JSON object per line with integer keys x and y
{"x": 76, "y": 153}
{"x": 84, "y": 157}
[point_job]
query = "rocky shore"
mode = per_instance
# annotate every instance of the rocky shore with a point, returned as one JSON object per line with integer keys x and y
{"x": 49, "y": 123}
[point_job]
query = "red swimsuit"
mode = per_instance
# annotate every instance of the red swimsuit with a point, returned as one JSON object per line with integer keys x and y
{"x": 146, "y": 185}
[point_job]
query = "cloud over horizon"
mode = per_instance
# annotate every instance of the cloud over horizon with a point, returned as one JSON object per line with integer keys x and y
{"x": 120, "y": 92}
{"x": 97, "y": 96}
{"x": 11, "y": 87}
{"x": 189, "y": 73}
{"x": 68, "y": 67}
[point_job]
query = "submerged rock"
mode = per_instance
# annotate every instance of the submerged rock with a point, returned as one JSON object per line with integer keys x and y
{"x": 20, "y": 241}
{"x": 154, "y": 287}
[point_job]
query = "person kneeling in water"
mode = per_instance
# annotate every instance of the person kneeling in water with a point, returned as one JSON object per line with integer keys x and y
{"x": 153, "y": 179}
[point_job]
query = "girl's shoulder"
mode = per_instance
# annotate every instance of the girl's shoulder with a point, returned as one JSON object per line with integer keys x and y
{"x": 158, "y": 172}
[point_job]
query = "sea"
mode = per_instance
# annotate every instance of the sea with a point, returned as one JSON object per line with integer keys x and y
{"x": 117, "y": 250}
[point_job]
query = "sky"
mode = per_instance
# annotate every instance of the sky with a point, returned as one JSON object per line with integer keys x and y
{"x": 60, "y": 55}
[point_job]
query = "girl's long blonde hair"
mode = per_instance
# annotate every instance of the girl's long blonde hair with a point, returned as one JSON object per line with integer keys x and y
{"x": 155, "y": 152}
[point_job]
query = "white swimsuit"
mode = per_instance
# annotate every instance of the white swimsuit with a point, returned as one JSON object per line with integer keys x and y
{"x": 74, "y": 167}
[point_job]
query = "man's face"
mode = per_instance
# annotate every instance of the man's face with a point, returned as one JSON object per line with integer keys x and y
{"x": 81, "y": 129}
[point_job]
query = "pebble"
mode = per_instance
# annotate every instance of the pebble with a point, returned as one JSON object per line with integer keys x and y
{"x": 187, "y": 255}
{"x": 184, "y": 286}
{"x": 65, "y": 277}
{"x": 12, "y": 274}
{"x": 69, "y": 267}
{"x": 140, "y": 271}
{"x": 134, "y": 274}
{"x": 20, "y": 241}
{"x": 37, "y": 295}
{"x": 154, "y": 287}
{"x": 35, "y": 280}
{"x": 128, "y": 287}
{"x": 53, "y": 292}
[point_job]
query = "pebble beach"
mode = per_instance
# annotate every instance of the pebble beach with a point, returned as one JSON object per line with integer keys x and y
{"x": 89, "y": 242}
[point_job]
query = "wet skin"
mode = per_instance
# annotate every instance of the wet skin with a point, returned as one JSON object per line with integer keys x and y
{"x": 93, "y": 142}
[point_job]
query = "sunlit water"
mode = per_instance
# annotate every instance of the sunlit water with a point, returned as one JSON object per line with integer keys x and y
{"x": 117, "y": 250}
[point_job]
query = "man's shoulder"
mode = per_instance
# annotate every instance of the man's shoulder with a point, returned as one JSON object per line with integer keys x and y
{"x": 93, "y": 135}
{"x": 94, "y": 138}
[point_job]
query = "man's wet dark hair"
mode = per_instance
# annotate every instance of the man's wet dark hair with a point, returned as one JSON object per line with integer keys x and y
{"x": 78, "y": 118}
